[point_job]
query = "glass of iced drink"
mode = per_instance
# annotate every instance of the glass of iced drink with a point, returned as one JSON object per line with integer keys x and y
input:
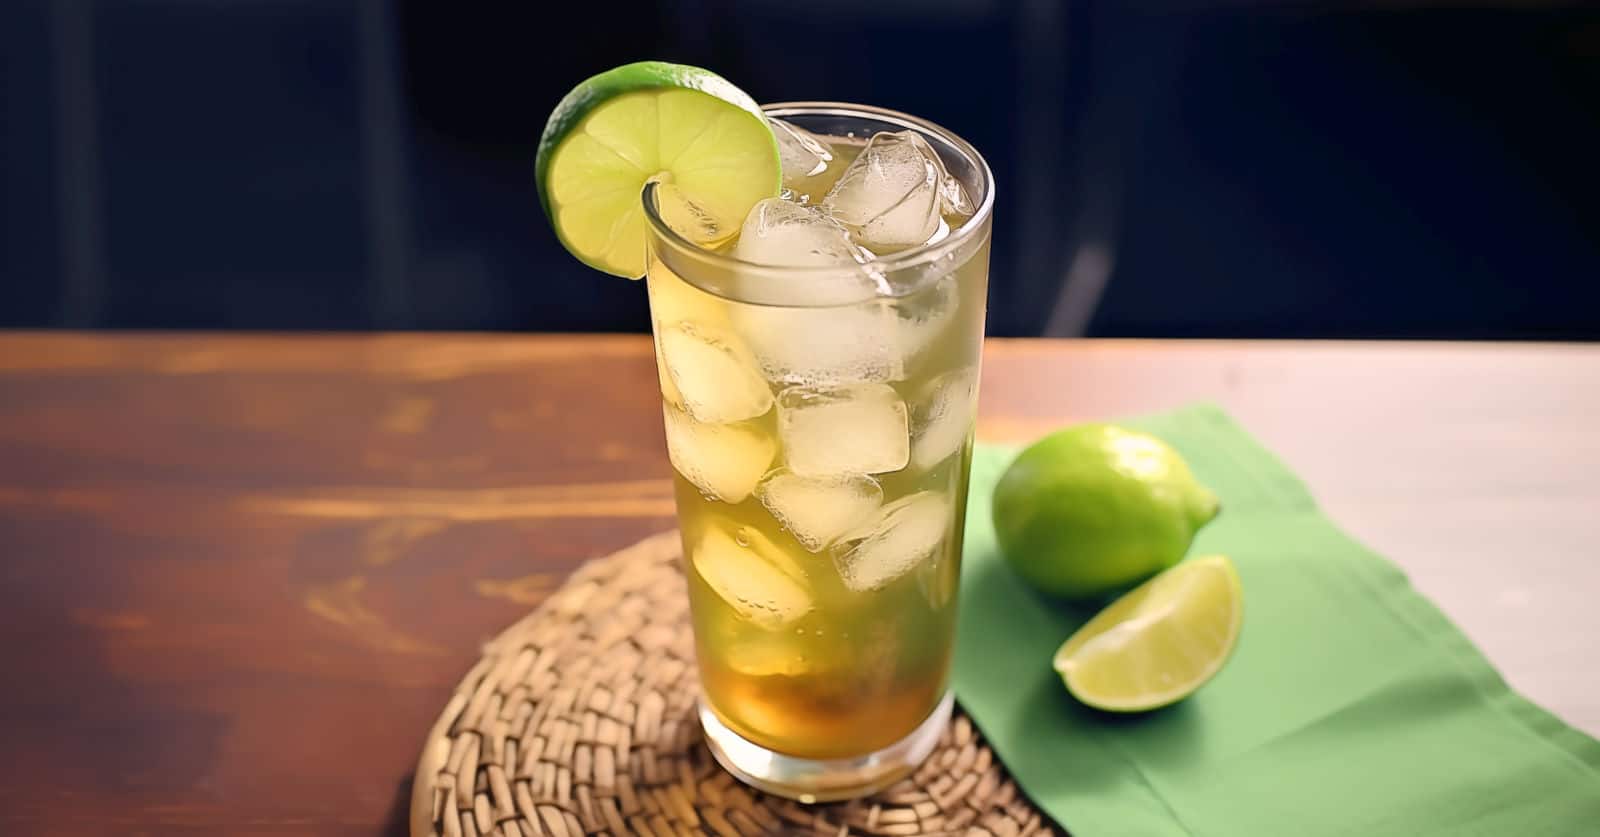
{"x": 819, "y": 375}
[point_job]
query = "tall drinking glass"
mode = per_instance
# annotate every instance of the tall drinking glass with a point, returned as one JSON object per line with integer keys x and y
{"x": 820, "y": 427}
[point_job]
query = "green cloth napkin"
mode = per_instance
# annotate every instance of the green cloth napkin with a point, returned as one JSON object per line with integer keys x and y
{"x": 1351, "y": 705}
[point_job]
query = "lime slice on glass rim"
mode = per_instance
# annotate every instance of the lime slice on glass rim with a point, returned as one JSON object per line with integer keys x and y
{"x": 1159, "y": 642}
{"x": 690, "y": 130}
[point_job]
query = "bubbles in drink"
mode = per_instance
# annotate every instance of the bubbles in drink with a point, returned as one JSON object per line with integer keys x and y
{"x": 843, "y": 431}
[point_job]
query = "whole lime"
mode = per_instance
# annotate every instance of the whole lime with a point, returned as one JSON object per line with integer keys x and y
{"x": 1093, "y": 509}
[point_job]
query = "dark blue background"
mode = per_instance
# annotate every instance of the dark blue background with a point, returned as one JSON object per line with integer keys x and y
{"x": 1212, "y": 169}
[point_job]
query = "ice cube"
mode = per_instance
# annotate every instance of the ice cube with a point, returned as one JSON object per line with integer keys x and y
{"x": 834, "y": 346}
{"x": 800, "y": 152}
{"x": 923, "y": 316}
{"x": 724, "y": 461}
{"x": 752, "y": 574}
{"x": 894, "y": 194}
{"x": 942, "y": 417}
{"x": 901, "y": 535}
{"x": 669, "y": 390}
{"x": 777, "y": 232}
{"x": 751, "y": 649}
{"x": 839, "y": 431}
{"x": 714, "y": 374}
{"x": 783, "y": 234}
{"x": 850, "y": 337}
{"x": 767, "y": 654}
{"x": 817, "y": 510}
{"x": 889, "y": 193}
{"x": 952, "y": 195}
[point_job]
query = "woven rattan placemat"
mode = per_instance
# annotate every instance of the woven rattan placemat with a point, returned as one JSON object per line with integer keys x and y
{"x": 580, "y": 719}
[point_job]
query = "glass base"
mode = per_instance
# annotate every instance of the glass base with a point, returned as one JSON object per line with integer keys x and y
{"x": 822, "y": 780}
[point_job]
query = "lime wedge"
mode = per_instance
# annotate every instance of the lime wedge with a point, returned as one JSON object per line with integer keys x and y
{"x": 1158, "y": 643}
{"x": 686, "y": 128}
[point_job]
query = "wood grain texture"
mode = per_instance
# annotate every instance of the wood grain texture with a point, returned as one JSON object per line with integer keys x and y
{"x": 242, "y": 574}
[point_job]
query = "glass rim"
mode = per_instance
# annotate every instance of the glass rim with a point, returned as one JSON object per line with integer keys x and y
{"x": 911, "y": 257}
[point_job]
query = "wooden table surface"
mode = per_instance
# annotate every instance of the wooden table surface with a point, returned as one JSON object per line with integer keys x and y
{"x": 242, "y": 574}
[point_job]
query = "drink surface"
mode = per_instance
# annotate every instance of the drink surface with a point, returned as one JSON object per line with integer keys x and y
{"x": 821, "y": 452}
